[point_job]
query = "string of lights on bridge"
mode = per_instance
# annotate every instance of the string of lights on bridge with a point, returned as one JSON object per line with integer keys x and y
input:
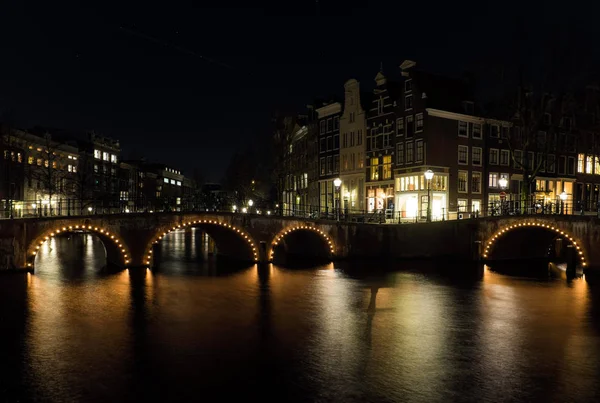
{"x": 287, "y": 231}
{"x": 501, "y": 232}
{"x": 212, "y": 222}
{"x": 104, "y": 233}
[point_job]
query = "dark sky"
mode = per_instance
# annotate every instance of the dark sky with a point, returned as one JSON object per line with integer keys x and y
{"x": 188, "y": 84}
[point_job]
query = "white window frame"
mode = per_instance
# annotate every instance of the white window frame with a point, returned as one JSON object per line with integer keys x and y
{"x": 480, "y": 130}
{"x": 466, "y": 135}
{"x": 466, "y": 154}
{"x": 400, "y": 153}
{"x": 493, "y": 185}
{"x": 417, "y": 142}
{"x": 466, "y": 182}
{"x": 409, "y": 145}
{"x": 491, "y": 160}
{"x": 406, "y": 107}
{"x": 417, "y": 130}
{"x": 480, "y": 156}
{"x": 507, "y": 152}
{"x": 474, "y": 173}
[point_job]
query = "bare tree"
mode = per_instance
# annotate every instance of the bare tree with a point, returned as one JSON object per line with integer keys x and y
{"x": 80, "y": 183}
{"x": 49, "y": 170}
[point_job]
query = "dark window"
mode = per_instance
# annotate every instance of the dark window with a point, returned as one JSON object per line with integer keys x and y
{"x": 408, "y": 85}
{"x": 409, "y": 126}
{"x": 408, "y": 102}
{"x": 494, "y": 131}
{"x": 419, "y": 122}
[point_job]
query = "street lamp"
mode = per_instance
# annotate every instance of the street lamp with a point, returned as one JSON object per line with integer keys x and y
{"x": 250, "y": 203}
{"x": 234, "y": 208}
{"x": 90, "y": 209}
{"x": 337, "y": 182}
{"x": 429, "y": 177}
{"x": 563, "y": 198}
{"x": 503, "y": 182}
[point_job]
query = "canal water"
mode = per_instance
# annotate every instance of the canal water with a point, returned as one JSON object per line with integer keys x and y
{"x": 198, "y": 329}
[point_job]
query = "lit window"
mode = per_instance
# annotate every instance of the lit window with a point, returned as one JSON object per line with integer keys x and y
{"x": 172, "y": 181}
{"x": 113, "y": 158}
{"x": 96, "y": 168}
{"x": 580, "y": 160}
{"x": 70, "y": 157}
{"x": 462, "y": 205}
{"x": 178, "y": 183}
{"x": 97, "y": 154}
{"x": 178, "y": 200}
{"x": 105, "y": 156}
{"x": 374, "y": 169}
{"x": 166, "y": 180}
{"x": 589, "y": 164}
{"x": 70, "y": 168}
{"x": 30, "y": 160}
{"x": 387, "y": 166}
{"x": 74, "y": 168}
{"x": 493, "y": 180}
{"x": 462, "y": 181}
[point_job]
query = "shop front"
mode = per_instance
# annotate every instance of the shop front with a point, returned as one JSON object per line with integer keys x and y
{"x": 412, "y": 197}
{"x": 380, "y": 199}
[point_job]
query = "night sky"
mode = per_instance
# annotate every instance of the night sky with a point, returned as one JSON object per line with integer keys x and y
{"x": 188, "y": 85}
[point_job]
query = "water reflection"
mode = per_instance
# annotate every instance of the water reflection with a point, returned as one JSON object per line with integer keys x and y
{"x": 418, "y": 331}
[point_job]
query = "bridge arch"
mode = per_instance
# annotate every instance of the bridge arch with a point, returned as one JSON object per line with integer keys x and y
{"x": 325, "y": 243}
{"x": 116, "y": 251}
{"x": 553, "y": 231}
{"x": 233, "y": 240}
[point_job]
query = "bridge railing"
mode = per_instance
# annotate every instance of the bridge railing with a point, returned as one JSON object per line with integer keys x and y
{"x": 75, "y": 207}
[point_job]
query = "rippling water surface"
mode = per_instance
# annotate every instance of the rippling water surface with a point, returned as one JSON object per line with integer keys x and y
{"x": 195, "y": 329}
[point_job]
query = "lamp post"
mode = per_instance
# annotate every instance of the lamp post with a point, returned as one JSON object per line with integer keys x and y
{"x": 503, "y": 182}
{"x": 250, "y": 204}
{"x": 563, "y": 198}
{"x": 429, "y": 177}
{"x": 90, "y": 209}
{"x": 337, "y": 182}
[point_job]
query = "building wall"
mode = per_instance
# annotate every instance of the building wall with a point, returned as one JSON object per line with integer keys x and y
{"x": 329, "y": 156}
{"x": 380, "y": 146}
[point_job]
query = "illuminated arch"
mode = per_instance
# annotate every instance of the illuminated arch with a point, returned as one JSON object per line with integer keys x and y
{"x": 279, "y": 237}
{"x": 578, "y": 245}
{"x": 148, "y": 259}
{"x": 105, "y": 236}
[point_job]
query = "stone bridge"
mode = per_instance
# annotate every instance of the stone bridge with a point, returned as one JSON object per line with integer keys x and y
{"x": 130, "y": 239}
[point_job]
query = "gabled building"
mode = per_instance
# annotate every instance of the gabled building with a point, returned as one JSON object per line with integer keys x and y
{"x": 380, "y": 148}
{"x": 329, "y": 156}
{"x": 353, "y": 129}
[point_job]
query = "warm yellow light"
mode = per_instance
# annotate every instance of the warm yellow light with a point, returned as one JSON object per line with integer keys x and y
{"x": 28, "y": 264}
{"x": 584, "y": 264}
{"x": 35, "y": 253}
{"x": 77, "y": 226}
{"x": 37, "y": 247}
{"x": 95, "y": 228}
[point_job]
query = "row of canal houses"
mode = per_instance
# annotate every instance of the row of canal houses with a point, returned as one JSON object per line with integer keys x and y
{"x": 380, "y": 144}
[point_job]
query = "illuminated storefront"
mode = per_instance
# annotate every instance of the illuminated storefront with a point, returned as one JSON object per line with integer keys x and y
{"x": 411, "y": 197}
